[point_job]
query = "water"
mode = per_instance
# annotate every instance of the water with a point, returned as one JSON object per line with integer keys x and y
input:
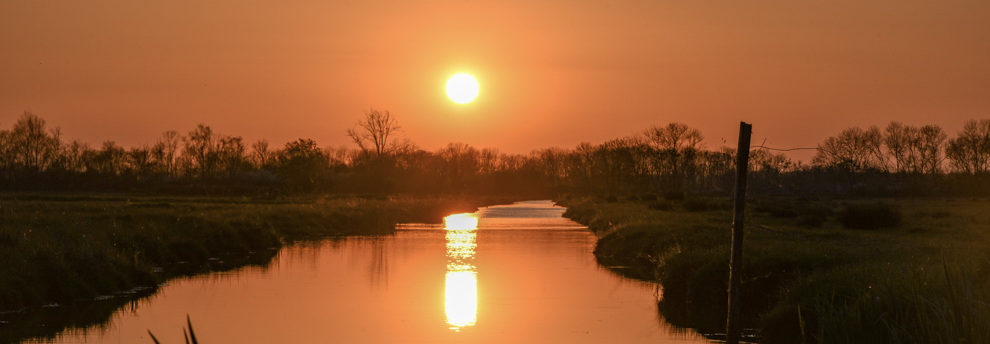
{"x": 517, "y": 273}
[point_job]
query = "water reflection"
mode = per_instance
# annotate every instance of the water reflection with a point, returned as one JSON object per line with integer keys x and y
{"x": 542, "y": 285}
{"x": 463, "y": 221}
{"x": 461, "y": 282}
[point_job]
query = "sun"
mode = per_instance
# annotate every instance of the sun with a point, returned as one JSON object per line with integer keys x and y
{"x": 462, "y": 88}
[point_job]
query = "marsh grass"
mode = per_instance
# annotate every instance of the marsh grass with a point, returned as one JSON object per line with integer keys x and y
{"x": 814, "y": 282}
{"x": 43, "y": 324}
{"x": 61, "y": 249}
{"x": 187, "y": 333}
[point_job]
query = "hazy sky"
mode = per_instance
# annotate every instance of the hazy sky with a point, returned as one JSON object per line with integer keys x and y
{"x": 552, "y": 73}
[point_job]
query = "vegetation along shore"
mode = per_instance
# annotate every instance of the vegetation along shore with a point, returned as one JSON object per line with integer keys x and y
{"x": 102, "y": 244}
{"x": 879, "y": 238}
{"x": 910, "y": 270}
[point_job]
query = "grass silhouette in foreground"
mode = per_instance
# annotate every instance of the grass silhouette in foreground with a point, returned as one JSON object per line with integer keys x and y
{"x": 190, "y": 336}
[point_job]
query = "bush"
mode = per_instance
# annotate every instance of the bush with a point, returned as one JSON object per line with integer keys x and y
{"x": 704, "y": 204}
{"x": 805, "y": 212}
{"x": 870, "y": 216}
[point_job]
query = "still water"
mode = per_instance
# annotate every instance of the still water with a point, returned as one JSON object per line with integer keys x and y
{"x": 516, "y": 273}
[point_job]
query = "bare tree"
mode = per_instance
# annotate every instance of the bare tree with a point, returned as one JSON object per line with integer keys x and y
{"x": 230, "y": 154}
{"x": 969, "y": 151}
{"x": 200, "y": 150}
{"x": 31, "y": 145}
{"x": 931, "y": 145}
{"x": 913, "y": 149}
{"x": 140, "y": 161}
{"x": 900, "y": 141}
{"x": 765, "y": 161}
{"x": 164, "y": 151}
{"x": 377, "y": 131}
{"x": 854, "y": 149}
{"x": 459, "y": 160}
{"x": 261, "y": 155}
{"x": 488, "y": 160}
{"x": 73, "y": 156}
{"x": 110, "y": 160}
{"x": 674, "y": 136}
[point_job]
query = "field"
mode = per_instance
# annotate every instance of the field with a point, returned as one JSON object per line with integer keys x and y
{"x": 815, "y": 270}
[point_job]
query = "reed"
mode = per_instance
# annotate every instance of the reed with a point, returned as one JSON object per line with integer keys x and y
{"x": 187, "y": 333}
{"x": 63, "y": 248}
{"x": 820, "y": 281}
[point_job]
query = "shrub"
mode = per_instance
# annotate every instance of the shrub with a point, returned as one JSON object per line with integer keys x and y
{"x": 870, "y": 216}
{"x": 705, "y": 204}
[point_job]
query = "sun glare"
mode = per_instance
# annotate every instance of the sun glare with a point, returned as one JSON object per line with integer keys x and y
{"x": 462, "y": 88}
{"x": 461, "y": 281}
{"x": 461, "y": 299}
{"x": 465, "y": 221}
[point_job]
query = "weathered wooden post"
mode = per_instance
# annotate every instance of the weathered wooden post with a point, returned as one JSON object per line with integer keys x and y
{"x": 735, "y": 260}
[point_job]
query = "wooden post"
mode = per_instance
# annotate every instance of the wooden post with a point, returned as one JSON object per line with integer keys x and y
{"x": 735, "y": 260}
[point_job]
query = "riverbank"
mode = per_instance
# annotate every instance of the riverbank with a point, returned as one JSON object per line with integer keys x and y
{"x": 62, "y": 248}
{"x": 893, "y": 270}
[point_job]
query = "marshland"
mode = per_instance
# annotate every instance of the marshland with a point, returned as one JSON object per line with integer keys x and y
{"x": 816, "y": 269}
{"x": 856, "y": 246}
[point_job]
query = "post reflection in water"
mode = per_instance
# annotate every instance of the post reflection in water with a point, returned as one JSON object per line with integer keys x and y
{"x": 461, "y": 282}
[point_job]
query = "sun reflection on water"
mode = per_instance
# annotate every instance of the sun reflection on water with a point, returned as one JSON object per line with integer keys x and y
{"x": 465, "y": 221}
{"x": 461, "y": 283}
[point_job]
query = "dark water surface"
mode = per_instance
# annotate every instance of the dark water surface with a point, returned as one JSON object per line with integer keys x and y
{"x": 516, "y": 273}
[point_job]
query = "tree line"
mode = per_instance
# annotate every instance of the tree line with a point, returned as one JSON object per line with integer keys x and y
{"x": 909, "y": 149}
{"x": 669, "y": 160}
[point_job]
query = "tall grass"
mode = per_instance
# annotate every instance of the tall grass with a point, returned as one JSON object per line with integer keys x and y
{"x": 932, "y": 302}
{"x": 811, "y": 282}
{"x": 66, "y": 248}
{"x": 187, "y": 333}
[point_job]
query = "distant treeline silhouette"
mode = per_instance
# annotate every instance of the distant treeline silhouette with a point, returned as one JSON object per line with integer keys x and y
{"x": 668, "y": 160}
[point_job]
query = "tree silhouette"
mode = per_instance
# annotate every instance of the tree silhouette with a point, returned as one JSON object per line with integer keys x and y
{"x": 854, "y": 149}
{"x": 970, "y": 150}
{"x": 29, "y": 145}
{"x": 302, "y": 162}
{"x": 375, "y": 132}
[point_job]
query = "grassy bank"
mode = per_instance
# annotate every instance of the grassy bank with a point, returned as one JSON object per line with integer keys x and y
{"x": 62, "y": 248}
{"x": 827, "y": 271}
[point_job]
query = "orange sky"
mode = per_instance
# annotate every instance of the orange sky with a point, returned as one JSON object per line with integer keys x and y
{"x": 552, "y": 73}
